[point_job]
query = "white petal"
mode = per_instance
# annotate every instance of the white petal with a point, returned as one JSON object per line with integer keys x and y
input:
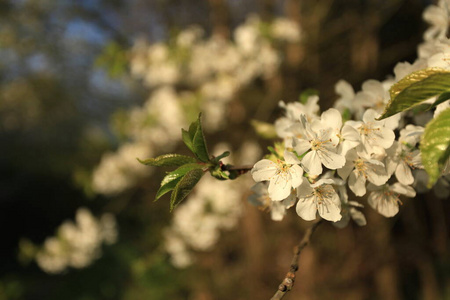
{"x": 357, "y": 184}
{"x": 330, "y": 159}
{"x": 290, "y": 158}
{"x": 289, "y": 201}
{"x": 264, "y": 170}
{"x": 322, "y": 181}
{"x": 403, "y": 174}
{"x": 392, "y": 122}
{"x": 370, "y": 115}
{"x": 387, "y": 137}
{"x": 278, "y": 211}
{"x": 312, "y": 163}
{"x": 332, "y": 118}
{"x": 349, "y": 164}
{"x": 306, "y": 208}
{"x": 296, "y": 175}
{"x": 383, "y": 205}
{"x": 350, "y": 133}
{"x": 406, "y": 190}
{"x": 344, "y": 89}
{"x": 279, "y": 188}
{"x": 304, "y": 190}
{"x": 358, "y": 217}
{"x": 377, "y": 174}
{"x": 301, "y": 146}
{"x": 330, "y": 209}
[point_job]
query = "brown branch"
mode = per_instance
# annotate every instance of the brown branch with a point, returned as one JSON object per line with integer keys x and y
{"x": 288, "y": 281}
{"x": 240, "y": 170}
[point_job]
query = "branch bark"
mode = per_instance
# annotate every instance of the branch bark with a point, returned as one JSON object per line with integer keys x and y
{"x": 288, "y": 281}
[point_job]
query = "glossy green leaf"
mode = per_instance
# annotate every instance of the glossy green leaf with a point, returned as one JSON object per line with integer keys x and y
{"x": 167, "y": 187}
{"x": 172, "y": 178}
{"x": 184, "y": 187}
{"x": 199, "y": 143}
{"x": 435, "y": 144}
{"x": 415, "y": 88}
{"x": 223, "y": 155}
{"x": 443, "y": 97}
{"x": 195, "y": 140}
{"x": 168, "y": 160}
{"x": 187, "y": 139}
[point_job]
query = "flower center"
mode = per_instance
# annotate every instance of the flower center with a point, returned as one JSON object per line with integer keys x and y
{"x": 323, "y": 193}
{"x": 361, "y": 167}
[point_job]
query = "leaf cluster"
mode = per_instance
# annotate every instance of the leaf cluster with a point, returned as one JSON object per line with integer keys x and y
{"x": 413, "y": 92}
{"x": 189, "y": 169}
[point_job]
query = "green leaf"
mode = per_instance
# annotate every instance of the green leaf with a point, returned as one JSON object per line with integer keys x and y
{"x": 168, "y": 160}
{"x": 416, "y": 88}
{"x": 435, "y": 144}
{"x": 199, "y": 143}
{"x": 184, "y": 187}
{"x": 167, "y": 187}
{"x": 172, "y": 178}
{"x": 264, "y": 130}
{"x": 187, "y": 139}
{"x": 304, "y": 96}
{"x": 195, "y": 140}
{"x": 218, "y": 158}
{"x": 443, "y": 97}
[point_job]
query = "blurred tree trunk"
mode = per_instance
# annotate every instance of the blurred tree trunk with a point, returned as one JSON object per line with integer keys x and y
{"x": 220, "y": 18}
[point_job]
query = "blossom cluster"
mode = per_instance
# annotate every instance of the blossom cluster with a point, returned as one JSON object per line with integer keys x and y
{"x": 187, "y": 74}
{"x": 77, "y": 244}
{"x": 347, "y": 146}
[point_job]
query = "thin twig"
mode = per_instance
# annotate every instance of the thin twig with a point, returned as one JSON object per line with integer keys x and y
{"x": 288, "y": 281}
{"x": 239, "y": 169}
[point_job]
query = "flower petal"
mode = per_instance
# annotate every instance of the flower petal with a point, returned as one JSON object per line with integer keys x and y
{"x": 278, "y": 211}
{"x": 306, "y": 208}
{"x": 330, "y": 209}
{"x": 403, "y": 173}
{"x": 384, "y": 205}
{"x": 279, "y": 188}
{"x": 291, "y": 158}
{"x": 330, "y": 159}
{"x": 264, "y": 170}
{"x": 301, "y": 146}
{"x": 312, "y": 164}
{"x": 296, "y": 175}
{"x": 357, "y": 184}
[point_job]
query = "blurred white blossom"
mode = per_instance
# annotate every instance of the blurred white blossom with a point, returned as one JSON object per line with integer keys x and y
{"x": 77, "y": 244}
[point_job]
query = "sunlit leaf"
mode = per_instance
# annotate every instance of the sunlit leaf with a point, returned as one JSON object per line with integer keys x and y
{"x": 195, "y": 140}
{"x": 184, "y": 187}
{"x": 435, "y": 144}
{"x": 415, "y": 88}
{"x": 168, "y": 160}
{"x": 172, "y": 178}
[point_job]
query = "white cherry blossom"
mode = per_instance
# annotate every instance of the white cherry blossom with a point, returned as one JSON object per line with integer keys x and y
{"x": 359, "y": 168}
{"x": 347, "y": 97}
{"x": 385, "y": 198}
{"x": 318, "y": 197}
{"x": 373, "y": 133}
{"x": 261, "y": 199}
{"x": 345, "y": 137}
{"x": 404, "y": 155}
{"x": 282, "y": 175}
{"x": 319, "y": 148}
